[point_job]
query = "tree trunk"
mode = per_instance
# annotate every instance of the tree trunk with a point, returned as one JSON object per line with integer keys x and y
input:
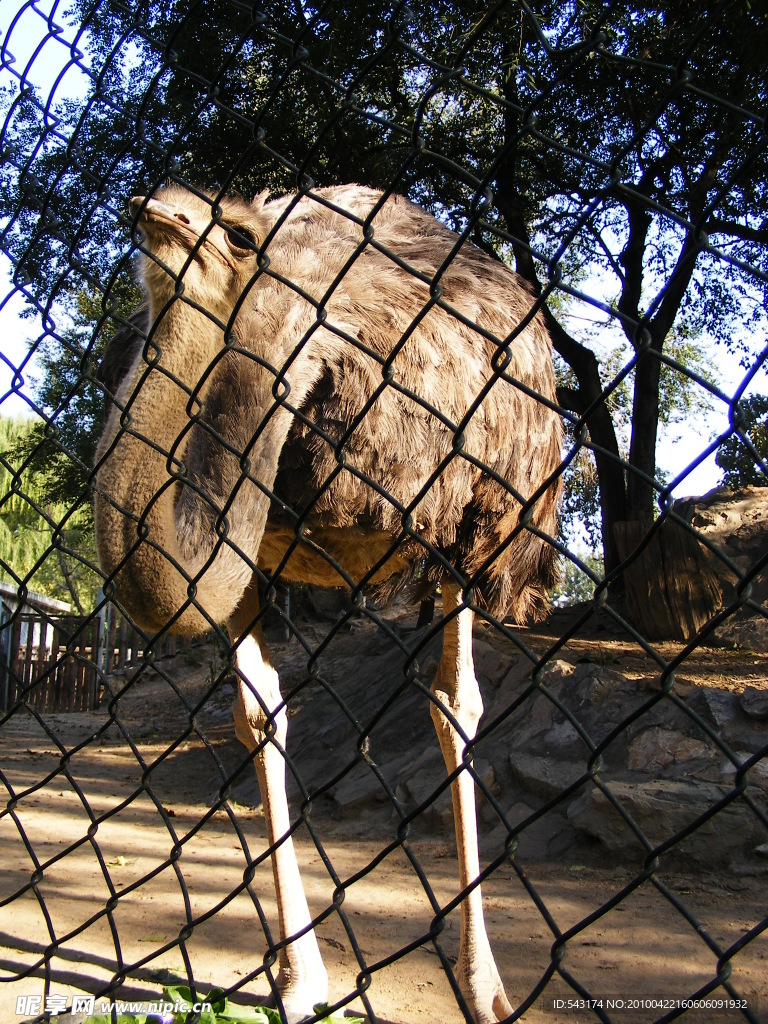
{"x": 587, "y": 401}
{"x": 672, "y": 589}
{"x": 642, "y": 451}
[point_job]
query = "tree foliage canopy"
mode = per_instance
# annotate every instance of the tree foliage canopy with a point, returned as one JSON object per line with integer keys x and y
{"x": 743, "y": 456}
{"x": 35, "y": 520}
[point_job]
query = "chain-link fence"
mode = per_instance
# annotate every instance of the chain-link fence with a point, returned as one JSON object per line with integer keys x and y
{"x": 344, "y": 421}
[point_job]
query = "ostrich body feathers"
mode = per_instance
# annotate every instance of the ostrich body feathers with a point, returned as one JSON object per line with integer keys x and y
{"x": 354, "y": 369}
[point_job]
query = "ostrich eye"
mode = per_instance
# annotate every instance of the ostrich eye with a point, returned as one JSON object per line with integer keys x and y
{"x": 241, "y": 241}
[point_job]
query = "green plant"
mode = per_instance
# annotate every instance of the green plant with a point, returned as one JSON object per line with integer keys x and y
{"x": 222, "y": 1011}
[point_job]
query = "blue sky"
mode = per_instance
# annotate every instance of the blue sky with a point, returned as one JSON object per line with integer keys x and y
{"x": 39, "y": 58}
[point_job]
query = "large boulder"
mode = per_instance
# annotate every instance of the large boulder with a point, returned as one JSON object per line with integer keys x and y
{"x": 663, "y": 809}
{"x": 736, "y": 521}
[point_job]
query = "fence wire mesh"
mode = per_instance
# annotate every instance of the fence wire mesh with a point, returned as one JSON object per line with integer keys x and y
{"x": 327, "y": 388}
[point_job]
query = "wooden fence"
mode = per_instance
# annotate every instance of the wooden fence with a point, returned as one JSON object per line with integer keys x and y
{"x": 58, "y": 663}
{"x": 51, "y": 662}
{"x": 124, "y": 647}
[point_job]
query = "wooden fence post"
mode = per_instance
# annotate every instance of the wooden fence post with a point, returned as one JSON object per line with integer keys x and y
{"x": 99, "y": 647}
{"x": 6, "y": 645}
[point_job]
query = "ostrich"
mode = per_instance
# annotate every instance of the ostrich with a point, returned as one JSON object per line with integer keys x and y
{"x": 334, "y": 389}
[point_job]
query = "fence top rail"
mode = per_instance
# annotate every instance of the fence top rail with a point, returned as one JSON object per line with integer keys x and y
{"x": 11, "y": 599}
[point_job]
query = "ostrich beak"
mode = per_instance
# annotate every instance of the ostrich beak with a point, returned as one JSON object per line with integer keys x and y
{"x": 193, "y": 231}
{"x": 153, "y": 211}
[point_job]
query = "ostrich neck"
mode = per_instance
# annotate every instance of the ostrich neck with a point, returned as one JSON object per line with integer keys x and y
{"x": 135, "y": 486}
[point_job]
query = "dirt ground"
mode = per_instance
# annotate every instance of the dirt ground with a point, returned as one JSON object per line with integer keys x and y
{"x": 638, "y": 948}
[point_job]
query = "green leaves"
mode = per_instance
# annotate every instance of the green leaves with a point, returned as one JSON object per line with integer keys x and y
{"x": 32, "y": 510}
{"x": 122, "y": 1018}
{"x": 739, "y": 460}
{"x": 222, "y": 1011}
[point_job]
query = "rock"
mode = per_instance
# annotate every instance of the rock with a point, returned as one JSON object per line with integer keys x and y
{"x": 737, "y": 522}
{"x": 490, "y": 664}
{"x": 362, "y": 787}
{"x": 314, "y": 772}
{"x": 359, "y": 788}
{"x": 493, "y": 841}
{"x": 561, "y": 736}
{"x": 488, "y": 783}
{"x": 532, "y": 755}
{"x": 487, "y": 775}
{"x": 751, "y": 634}
{"x": 546, "y": 837}
{"x": 754, "y": 702}
{"x": 536, "y": 714}
{"x": 517, "y": 675}
{"x": 748, "y": 733}
{"x": 245, "y": 793}
{"x": 545, "y": 776}
{"x": 717, "y": 707}
{"x": 654, "y": 684}
{"x": 556, "y": 672}
{"x": 438, "y": 814}
{"x": 722, "y": 709}
{"x": 757, "y": 775}
{"x": 658, "y": 748}
{"x": 429, "y": 666}
{"x": 530, "y": 720}
{"x": 592, "y": 683}
{"x": 661, "y": 809}
{"x": 416, "y": 784}
{"x": 600, "y": 699}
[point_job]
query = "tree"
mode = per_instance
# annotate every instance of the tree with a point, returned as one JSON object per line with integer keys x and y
{"x": 688, "y": 170}
{"x": 62, "y": 446}
{"x": 574, "y": 585}
{"x": 678, "y": 404}
{"x": 45, "y": 544}
{"x": 623, "y": 148}
{"x": 743, "y": 457}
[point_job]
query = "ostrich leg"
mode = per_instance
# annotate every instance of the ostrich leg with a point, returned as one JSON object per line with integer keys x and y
{"x": 456, "y": 688}
{"x": 302, "y": 980}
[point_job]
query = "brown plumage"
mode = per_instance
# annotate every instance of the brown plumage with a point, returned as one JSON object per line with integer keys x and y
{"x": 322, "y": 368}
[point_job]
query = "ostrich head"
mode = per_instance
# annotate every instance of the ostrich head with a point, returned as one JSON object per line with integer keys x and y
{"x": 193, "y": 247}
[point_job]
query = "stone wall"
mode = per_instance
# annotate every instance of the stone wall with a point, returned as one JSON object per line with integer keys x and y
{"x": 546, "y": 749}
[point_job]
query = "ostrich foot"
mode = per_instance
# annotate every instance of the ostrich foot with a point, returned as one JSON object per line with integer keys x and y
{"x": 300, "y": 995}
{"x": 483, "y": 990}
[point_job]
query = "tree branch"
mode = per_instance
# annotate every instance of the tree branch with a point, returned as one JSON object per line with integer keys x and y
{"x": 674, "y": 293}
{"x": 571, "y": 399}
{"x": 716, "y": 226}
{"x": 631, "y": 257}
{"x": 614, "y": 263}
